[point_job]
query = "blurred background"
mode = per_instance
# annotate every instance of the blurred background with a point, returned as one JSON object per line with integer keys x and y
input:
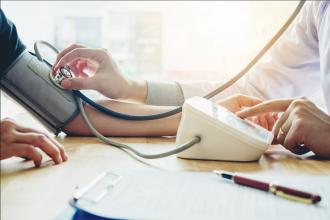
{"x": 157, "y": 39}
{"x": 172, "y": 40}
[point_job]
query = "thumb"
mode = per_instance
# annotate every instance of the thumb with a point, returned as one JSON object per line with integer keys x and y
{"x": 77, "y": 83}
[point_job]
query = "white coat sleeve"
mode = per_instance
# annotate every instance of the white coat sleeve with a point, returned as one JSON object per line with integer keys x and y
{"x": 291, "y": 67}
{"x": 323, "y": 26}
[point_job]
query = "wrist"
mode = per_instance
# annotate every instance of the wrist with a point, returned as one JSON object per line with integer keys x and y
{"x": 137, "y": 90}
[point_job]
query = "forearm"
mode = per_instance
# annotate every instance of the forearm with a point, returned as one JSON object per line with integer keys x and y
{"x": 110, "y": 126}
{"x": 136, "y": 90}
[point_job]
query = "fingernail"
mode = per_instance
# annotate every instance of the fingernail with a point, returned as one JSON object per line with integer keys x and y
{"x": 37, "y": 164}
{"x": 65, "y": 157}
{"x": 58, "y": 159}
{"x": 66, "y": 83}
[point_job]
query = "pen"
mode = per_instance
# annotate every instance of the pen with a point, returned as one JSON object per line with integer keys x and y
{"x": 281, "y": 191}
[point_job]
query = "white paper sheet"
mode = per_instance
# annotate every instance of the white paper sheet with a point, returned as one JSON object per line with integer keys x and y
{"x": 192, "y": 195}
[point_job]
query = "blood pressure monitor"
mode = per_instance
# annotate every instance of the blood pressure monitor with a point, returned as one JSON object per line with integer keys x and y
{"x": 224, "y": 136}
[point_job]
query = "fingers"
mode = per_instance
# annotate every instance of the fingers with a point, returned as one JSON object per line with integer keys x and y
{"x": 266, "y": 121}
{"x": 54, "y": 151}
{"x": 247, "y": 101}
{"x": 288, "y": 130}
{"x": 23, "y": 129}
{"x": 67, "y": 50}
{"x": 278, "y": 125}
{"x": 278, "y": 105}
{"x": 24, "y": 150}
{"x": 98, "y": 55}
{"x": 270, "y": 121}
{"x": 78, "y": 83}
{"x": 289, "y": 111}
{"x": 64, "y": 156}
{"x": 293, "y": 142}
{"x": 255, "y": 120}
{"x": 78, "y": 68}
{"x": 262, "y": 121}
{"x": 281, "y": 133}
{"x": 37, "y": 138}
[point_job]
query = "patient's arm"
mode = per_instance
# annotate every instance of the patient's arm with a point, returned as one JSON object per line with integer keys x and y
{"x": 110, "y": 126}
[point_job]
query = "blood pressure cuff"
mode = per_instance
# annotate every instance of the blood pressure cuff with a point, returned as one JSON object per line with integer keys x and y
{"x": 27, "y": 80}
{"x": 164, "y": 93}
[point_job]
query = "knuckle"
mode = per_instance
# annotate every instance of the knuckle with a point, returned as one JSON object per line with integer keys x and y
{"x": 54, "y": 152}
{"x": 75, "y": 52}
{"x": 296, "y": 103}
{"x": 6, "y": 120}
{"x": 60, "y": 54}
{"x": 29, "y": 150}
{"x": 7, "y": 138}
{"x": 7, "y": 123}
{"x": 77, "y": 46}
{"x": 299, "y": 102}
{"x": 60, "y": 149}
{"x": 104, "y": 52}
{"x": 299, "y": 124}
{"x": 297, "y": 110}
{"x": 44, "y": 134}
{"x": 74, "y": 45}
{"x": 40, "y": 138}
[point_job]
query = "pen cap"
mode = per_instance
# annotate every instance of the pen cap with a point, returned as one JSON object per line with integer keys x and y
{"x": 305, "y": 195}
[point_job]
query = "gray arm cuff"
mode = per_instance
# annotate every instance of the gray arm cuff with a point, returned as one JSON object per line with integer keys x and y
{"x": 164, "y": 93}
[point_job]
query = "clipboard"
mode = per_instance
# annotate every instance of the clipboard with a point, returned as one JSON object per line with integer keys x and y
{"x": 134, "y": 195}
{"x": 190, "y": 195}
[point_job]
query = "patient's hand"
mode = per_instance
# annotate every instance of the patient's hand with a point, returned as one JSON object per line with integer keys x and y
{"x": 20, "y": 141}
{"x": 238, "y": 102}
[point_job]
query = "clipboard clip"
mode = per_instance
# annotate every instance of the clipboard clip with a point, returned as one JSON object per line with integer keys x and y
{"x": 98, "y": 188}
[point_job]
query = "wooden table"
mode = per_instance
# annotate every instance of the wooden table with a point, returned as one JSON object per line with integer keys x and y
{"x": 43, "y": 193}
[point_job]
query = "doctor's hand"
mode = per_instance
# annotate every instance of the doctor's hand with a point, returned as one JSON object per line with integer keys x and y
{"x": 302, "y": 127}
{"x": 23, "y": 142}
{"x": 95, "y": 69}
{"x": 239, "y": 102}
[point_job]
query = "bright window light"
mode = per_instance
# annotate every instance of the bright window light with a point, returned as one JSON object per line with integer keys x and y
{"x": 172, "y": 40}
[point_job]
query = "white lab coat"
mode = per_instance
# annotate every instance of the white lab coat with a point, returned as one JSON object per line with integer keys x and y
{"x": 297, "y": 65}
